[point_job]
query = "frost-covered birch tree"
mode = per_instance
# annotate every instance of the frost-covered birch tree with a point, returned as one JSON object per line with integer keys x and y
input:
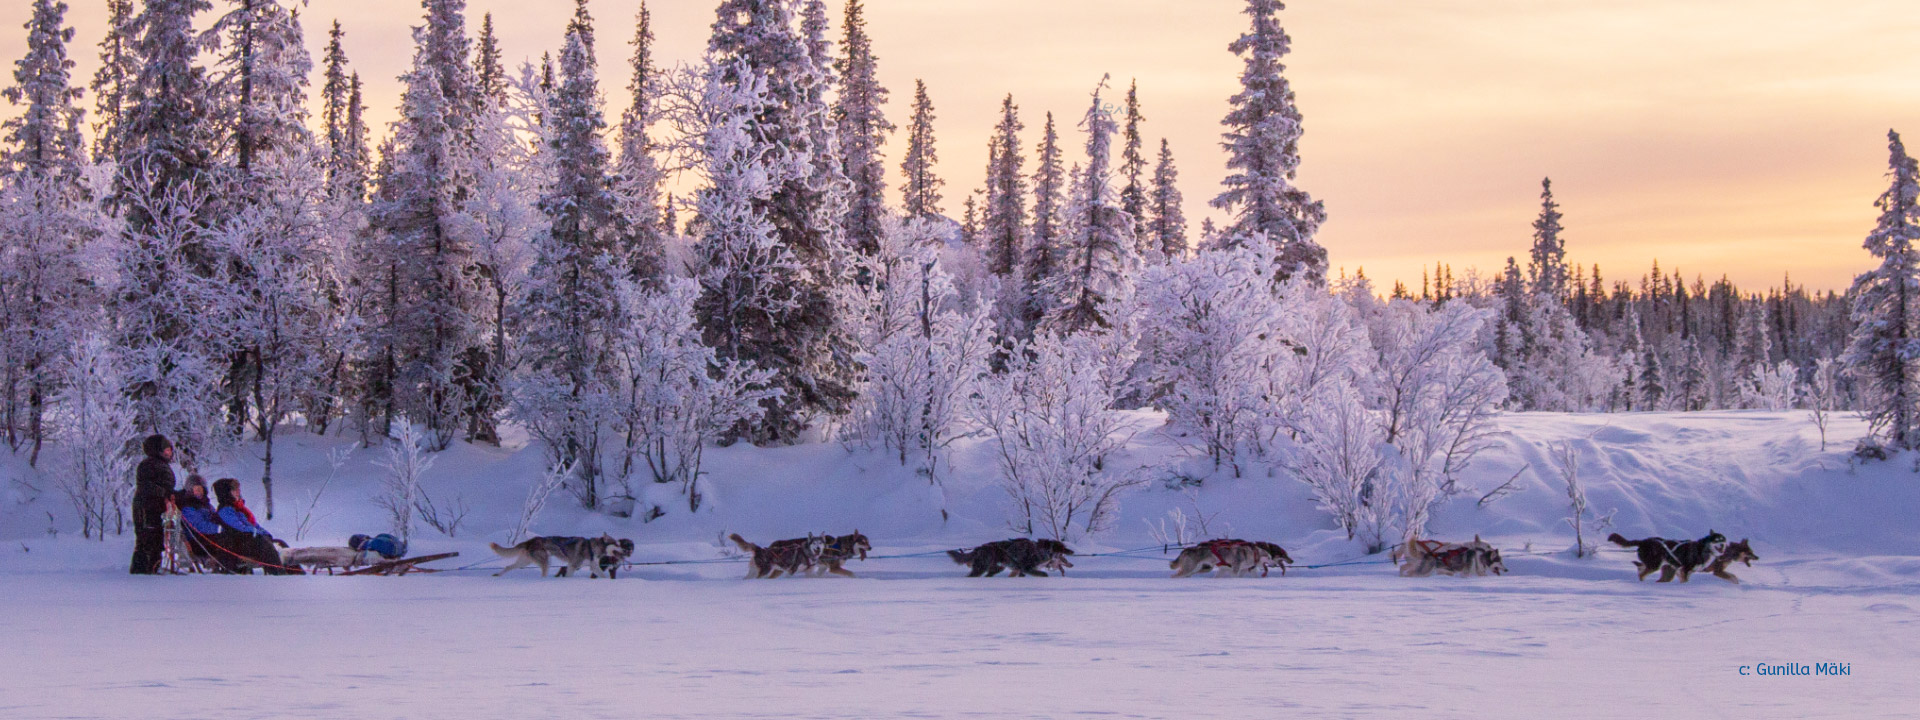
{"x": 1052, "y": 418}
{"x": 1214, "y": 346}
{"x": 92, "y": 423}
{"x": 678, "y": 395}
{"x": 926, "y": 353}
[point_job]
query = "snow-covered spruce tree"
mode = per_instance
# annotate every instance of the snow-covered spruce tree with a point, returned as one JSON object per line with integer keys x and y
{"x": 1096, "y": 257}
{"x": 1263, "y": 154}
{"x": 1653, "y": 384}
{"x": 747, "y": 277}
{"x": 44, "y": 138}
{"x": 678, "y": 397}
{"x": 373, "y": 273}
{"x": 361, "y": 157}
{"x": 1004, "y": 228}
{"x": 431, "y": 323}
{"x": 1166, "y": 220}
{"x": 571, "y": 310}
{"x": 1551, "y": 363}
{"x": 970, "y": 221}
{"x": 1040, "y": 261}
{"x": 1212, "y": 345}
{"x": 112, "y": 83}
{"x": 825, "y": 193}
{"x": 260, "y": 80}
{"x": 345, "y": 124}
{"x": 166, "y": 143}
{"x": 343, "y": 156}
{"x": 755, "y": 51}
{"x": 1547, "y": 269}
{"x": 46, "y": 215}
{"x": 920, "y": 188}
{"x": 863, "y": 128}
{"x": 1881, "y": 351}
{"x": 1133, "y": 168}
{"x": 925, "y": 353}
{"x": 1052, "y": 418}
{"x": 92, "y": 423}
{"x": 1753, "y": 345}
{"x": 489, "y": 72}
{"x": 636, "y": 175}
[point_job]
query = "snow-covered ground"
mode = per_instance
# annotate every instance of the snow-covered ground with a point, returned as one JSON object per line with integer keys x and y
{"x": 1838, "y": 581}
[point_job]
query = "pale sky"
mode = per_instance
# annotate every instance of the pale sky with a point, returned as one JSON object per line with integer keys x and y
{"x": 1745, "y": 137}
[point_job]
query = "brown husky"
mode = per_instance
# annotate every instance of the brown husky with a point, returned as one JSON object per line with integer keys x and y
{"x": 792, "y": 556}
{"x": 1739, "y": 552}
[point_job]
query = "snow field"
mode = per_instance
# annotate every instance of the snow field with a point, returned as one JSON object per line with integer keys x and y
{"x": 1558, "y": 637}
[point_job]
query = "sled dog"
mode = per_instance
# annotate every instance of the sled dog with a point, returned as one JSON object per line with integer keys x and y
{"x": 791, "y": 556}
{"x": 1275, "y": 556}
{"x": 1426, "y": 557}
{"x": 313, "y": 558}
{"x": 1230, "y": 558}
{"x": 1739, "y": 552}
{"x": 1670, "y": 556}
{"x": 835, "y": 551}
{"x": 609, "y": 553}
{"x": 603, "y": 553}
{"x": 1023, "y": 556}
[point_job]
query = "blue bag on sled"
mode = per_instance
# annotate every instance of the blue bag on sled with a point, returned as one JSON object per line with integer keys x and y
{"x": 384, "y": 545}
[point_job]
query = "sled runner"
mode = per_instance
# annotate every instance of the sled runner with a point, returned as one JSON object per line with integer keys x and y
{"x": 401, "y": 567}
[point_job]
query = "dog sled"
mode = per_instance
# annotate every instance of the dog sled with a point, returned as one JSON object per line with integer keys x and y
{"x": 402, "y": 566}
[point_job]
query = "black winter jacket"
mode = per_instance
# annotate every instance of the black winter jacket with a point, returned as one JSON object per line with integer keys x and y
{"x": 153, "y": 481}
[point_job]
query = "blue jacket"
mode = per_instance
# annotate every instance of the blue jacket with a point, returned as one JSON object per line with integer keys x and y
{"x": 237, "y": 521}
{"x": 201, "y": 519}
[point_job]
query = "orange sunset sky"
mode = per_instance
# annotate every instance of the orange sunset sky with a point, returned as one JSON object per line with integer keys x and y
{"x": 1718, "y": 136}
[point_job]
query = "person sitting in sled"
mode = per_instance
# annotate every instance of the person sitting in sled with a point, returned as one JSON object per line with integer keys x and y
{"x": 202, "y": 525}
{"x": 243, "y": 534}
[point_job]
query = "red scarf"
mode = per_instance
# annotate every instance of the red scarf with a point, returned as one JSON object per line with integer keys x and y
{"x": 241, "y": 505}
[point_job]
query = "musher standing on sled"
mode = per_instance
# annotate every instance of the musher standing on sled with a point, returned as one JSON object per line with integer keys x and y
{"x": 152, "y": 485}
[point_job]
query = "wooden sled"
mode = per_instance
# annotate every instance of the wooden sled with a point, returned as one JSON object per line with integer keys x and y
{"x": 401, "y": 566}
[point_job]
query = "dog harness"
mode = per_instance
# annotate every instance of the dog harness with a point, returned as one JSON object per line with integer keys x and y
{"x": 1453, "y": 559}
{"x": 1219, "y": 548}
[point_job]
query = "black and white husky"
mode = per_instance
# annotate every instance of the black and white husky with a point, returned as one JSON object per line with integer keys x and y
{"x": 1671, "y": 556}
{"x": 1023, "y": 556}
